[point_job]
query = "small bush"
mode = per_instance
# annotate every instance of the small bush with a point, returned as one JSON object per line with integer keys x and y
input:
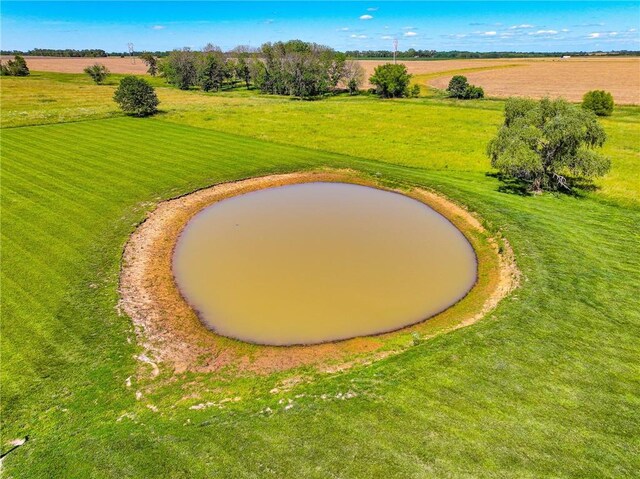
{"x": 459, "y": 88}
{"x": 136, "y": 97}
{"x": 16, "y": 67}
{"x": 97, "y": 72}
{"x": 415, "y": 91}
{"x": 598, "y": 101}
{"x": 472, "y": 92}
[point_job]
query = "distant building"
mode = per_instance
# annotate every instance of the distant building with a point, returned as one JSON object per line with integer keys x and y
{"x": 565, "y": 57}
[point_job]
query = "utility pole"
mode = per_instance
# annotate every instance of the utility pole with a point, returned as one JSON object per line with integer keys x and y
{"x": 130, "y": 47}
{"x": 395, "y": 49}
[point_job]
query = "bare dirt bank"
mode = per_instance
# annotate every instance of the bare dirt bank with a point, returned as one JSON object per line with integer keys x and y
{"x": 171, "y": 332}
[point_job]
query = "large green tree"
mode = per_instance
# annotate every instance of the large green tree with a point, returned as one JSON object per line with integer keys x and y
{"x": 179, "y": 68}
{"x": 391, "y": 80}
{"x": 548, "y": 143}
{"x": 136, "y": 96}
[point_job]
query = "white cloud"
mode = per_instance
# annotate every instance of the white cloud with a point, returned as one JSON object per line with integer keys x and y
{"x": 565, "y": 30}
{"x": 410, "y": 34}
{"x": 633, "y": 29}
{"x": 372, "y": 9}
{"x": 158, "y": 27}
{"x": 488, "y": 34}
{"x": 344, "y": 29}
{"x": 358, "y": 36}
{"x": 613, "y": 34}
{"x": 545, "y": 32}
{"x": 524, "y": 25}
{"x": 366, "y": 17}
{"x": 594, "y": 35}
{"x": 386, "y": 37}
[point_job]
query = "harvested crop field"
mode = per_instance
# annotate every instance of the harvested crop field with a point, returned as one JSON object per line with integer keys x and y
{"x": 569, "y": 78}
{"x": 77, "y": 65}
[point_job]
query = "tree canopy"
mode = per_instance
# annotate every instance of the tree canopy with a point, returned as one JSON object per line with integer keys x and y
{"x": 598, "y": 101}
{"x": 391, "y": 80}
{"x": 548, "y": 143}
{"x": 136, "y": 96}
{"x": 460, "y": 88}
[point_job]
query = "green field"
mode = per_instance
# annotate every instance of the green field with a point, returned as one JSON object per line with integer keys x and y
{"x": 548, "y": 385}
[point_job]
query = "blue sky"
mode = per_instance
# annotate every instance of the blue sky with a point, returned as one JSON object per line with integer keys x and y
{"x": 476, "y": 25}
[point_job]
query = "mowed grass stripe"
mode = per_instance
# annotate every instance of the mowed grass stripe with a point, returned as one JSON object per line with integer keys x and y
{"x": 543, "y": 387}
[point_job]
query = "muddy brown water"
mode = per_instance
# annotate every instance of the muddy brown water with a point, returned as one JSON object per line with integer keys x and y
{"x": 317, "y": 262}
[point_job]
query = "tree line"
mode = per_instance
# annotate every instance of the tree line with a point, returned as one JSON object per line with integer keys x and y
{"x": 67, "y": 52}
{"x": 295, "y": 68}
{"x": 454, "y": 54}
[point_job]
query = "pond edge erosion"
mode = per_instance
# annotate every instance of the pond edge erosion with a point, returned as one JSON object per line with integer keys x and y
{"x": 171, "y": 332}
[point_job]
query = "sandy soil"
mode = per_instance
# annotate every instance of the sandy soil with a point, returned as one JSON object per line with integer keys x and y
{"x": 171, "y": 332}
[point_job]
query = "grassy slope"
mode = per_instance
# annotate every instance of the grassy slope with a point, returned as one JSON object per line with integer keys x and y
{"x": 547, "y": 386}
{"x": 434, "y": 134}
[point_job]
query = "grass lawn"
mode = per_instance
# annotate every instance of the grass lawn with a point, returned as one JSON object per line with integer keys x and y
{"x": 548, "y": 385}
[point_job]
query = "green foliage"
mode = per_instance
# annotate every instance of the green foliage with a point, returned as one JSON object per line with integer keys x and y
{"x": 391, "y": 80}
{"x": 212, "y": 69}
{"x": 460, "y": 88}
{"x": 152, "y": 63}
{"x": 97, "y": 72}
{"x": 543, "y": 142}
{"x": 179, "y": 68}
{"x": 136, "y": 96}
{"x": 414, "y": 92}
{"x": 16, "y": 67}
{"x": 297, "y": 68}
{"x": 598, "y": 101}
{"x": 457, "y": 86}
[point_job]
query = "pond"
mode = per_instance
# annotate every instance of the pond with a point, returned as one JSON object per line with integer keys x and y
{"x": 316, "y": 262}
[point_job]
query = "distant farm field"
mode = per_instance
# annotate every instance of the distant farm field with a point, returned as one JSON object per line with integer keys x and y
{"x": 569, "y": 78}
{"x": 533, "y": 77}
{"x": 547, "y": 385}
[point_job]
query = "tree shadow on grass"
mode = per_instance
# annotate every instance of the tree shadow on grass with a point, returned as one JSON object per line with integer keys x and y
{"x": 578, "y": 187}
{"x": 510, "y": 185}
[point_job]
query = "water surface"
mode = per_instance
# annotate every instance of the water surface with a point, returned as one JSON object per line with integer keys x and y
{"x": 317, "y": 262}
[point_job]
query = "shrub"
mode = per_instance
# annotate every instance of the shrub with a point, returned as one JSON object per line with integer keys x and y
{"x": 391, "y": 80}
{"x": 460, "y": 88}
{"x": 97, "y": 72}
{"x": 598, "y": 101}
{"x": 542, "y": 142}
{"x": 16, "y": 67}
{"x": 136, "y": 96}
{"x": 457, "y": 86}
{"x": 415, "y": 91}
{"x": 473, "y": 92}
